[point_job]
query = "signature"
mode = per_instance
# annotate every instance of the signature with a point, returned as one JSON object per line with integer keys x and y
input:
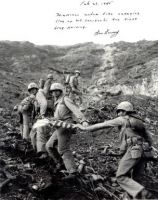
{"x": 110, "y": 33}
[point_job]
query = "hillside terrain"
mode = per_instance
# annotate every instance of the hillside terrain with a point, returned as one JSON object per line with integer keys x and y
{"x": 21, "y": 63}
{"x": 109, "y": 74}
{"x": 128, "y": 68}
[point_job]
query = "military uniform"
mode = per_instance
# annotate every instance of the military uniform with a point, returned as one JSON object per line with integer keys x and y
{"x": 27, "y": 111}
{"x": 42, "y": 102}
{"x": 74, "y": 91}
{"x": 40, "y": 135}
{"x": 64, "y": 111}
{"x": 133, "y": 135}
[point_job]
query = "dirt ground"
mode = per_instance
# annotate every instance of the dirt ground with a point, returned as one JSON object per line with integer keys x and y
{"x": 28, "y": 178}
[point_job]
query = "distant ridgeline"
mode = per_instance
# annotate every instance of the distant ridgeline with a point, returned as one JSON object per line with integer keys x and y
{"x": 129, "y": 68}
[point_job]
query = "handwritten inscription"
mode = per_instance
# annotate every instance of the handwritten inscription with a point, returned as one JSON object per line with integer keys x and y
{"x": 84, "y": 20}
{"x": 111, "y": 33}
{"x": 95, "y": 3}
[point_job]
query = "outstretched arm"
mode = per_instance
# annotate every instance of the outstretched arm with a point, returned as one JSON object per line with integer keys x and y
{"x": 47, "y": 87}
{"x": 110, "y": 123}
{"x": 42, "y": 101}
{"x": 75, "y": 110}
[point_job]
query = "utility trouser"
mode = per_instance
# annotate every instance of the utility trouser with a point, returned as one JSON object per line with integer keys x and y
{"x": 127, "y": 164}
{"x": 39, "y": 138}
{"x": 26, "y": 125}
{"x": 61, "y": 137}
{"x": 21, "y": 123}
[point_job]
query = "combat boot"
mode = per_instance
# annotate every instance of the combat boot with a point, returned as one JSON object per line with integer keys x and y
{"x": 44, "y": 155}
{"x": 72, "y": 178}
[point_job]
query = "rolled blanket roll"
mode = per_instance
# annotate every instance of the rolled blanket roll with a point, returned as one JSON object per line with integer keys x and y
{"x": 54, "y": 123}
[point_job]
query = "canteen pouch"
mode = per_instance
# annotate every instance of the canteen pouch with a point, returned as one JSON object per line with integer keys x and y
{"x": 148, "y": 152}
{"x": 136, "y": 151}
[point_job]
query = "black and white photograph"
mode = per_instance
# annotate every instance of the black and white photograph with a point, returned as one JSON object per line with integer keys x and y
{"x": 78, "y": 99}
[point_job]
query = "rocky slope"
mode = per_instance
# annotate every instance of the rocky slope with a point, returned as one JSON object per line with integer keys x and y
{"x": 128, "y": 68}
{"x": 121, "y": 68}
{"x": 22, "y": 62}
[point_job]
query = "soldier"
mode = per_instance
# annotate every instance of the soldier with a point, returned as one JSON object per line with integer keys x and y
{"x": 135, "y": 139}
{"x": 40, "y": 135}
{"x": 48, "y": 84}
{"x": 43, "y": 95}
{"x": 41, "y": 83}
{"x": 75, "y": 93}
{"x": 64, "y": 111}
{"x": 45, "y": 84}
{"x": 27, "y": 109}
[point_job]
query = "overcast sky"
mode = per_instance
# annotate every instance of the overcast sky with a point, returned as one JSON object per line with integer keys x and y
{"x": 34, "y": 21}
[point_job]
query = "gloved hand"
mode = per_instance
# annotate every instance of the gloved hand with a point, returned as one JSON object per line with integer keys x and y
{"x": 32, "y": 96}
{"x": 79, "y": 126}
{"x": 42, "y": 116}
{"x": 15, "y": 108}
{"x": 85, "y": 124}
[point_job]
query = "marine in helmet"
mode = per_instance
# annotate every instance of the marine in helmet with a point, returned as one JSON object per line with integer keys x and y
{"x": 40, "y": 135}
{"x": 43, "y": 98}
{"x": 27, "y": 110}
{"x": 32, "y": 88}
{"x": 50, "y": 76}
{"x": 41, "y": 83}
{"x": 134, "y": 137}
{"x": 64, "y": 111}
{"x": 75, "y": 92}
{"x": 47, "y": 84}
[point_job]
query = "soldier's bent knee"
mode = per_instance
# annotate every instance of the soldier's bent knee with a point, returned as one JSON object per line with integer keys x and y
{"x": 63, "y": 151}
